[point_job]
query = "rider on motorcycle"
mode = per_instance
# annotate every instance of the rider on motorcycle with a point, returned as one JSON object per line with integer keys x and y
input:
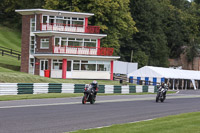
{"x": 163, "y": 85}
{"x": 95, "y": 88}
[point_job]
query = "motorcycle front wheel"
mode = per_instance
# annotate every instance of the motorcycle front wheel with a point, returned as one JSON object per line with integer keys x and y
{"x": 84, "y": 99}
{"x": 157, "y": 98}
{"x": 162, "y": 99}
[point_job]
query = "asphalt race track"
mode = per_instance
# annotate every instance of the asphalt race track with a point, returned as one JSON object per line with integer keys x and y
{"x": 68, "y": 114}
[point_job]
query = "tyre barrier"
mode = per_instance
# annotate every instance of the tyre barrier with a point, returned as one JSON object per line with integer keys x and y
{"x": 39, "y": 88}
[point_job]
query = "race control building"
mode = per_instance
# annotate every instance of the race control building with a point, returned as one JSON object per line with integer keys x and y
{"x": 63, "y": 44}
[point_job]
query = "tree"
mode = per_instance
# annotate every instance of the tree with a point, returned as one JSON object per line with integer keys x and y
{"x": 165, "y": 26}
{"x": 197, "y": 1}
{"x": 151, "y": 38}
{"x": 140, "y": 57}
{"x": 58, "y": 4}
{"x": 181, "y": 4}
{"x": 193, "y": 50}
{"x": 8, "y": 15}
{"x": 193, "y": 47}
{"x": 112, "y": 16}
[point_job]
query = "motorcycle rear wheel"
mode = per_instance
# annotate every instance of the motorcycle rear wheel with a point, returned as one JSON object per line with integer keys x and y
{"x": 84, "y": 99}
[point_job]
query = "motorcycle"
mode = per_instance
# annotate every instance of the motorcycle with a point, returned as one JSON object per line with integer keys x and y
{"x": 89, "y": 95}
{"x": 161, "y": 95}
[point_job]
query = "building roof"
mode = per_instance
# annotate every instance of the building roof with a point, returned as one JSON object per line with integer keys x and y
{"x": 52, "y": 12}
{"x": 160, "y": 72}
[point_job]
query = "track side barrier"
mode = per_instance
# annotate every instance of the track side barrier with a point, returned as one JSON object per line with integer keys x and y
{"x": 39, "y": 88}
{"x": 8, "y": 89}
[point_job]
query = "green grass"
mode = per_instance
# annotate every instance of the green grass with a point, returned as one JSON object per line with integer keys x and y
{"x": 10, "y": 76}
{"x": 39, "y": 96}
{"x": 8, "y": 62}
{"x": 183, "y": 123}
{"x": 10, "y": 38}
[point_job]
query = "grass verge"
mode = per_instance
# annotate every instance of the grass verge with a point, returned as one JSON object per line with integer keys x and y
{"x": 58, "y": 95}
{"x": 38, "y": 96}
{"x": 183, "y": 123}
{"x": 10, "y": 38}
{"x": 9, "y": 76}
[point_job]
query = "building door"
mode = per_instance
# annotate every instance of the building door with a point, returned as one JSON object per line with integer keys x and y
{"x": 43, "y": 66}
{"x": 69, "y": 69}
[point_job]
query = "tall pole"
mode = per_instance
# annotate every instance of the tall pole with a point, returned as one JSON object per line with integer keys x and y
{"x": 131, "y": 56}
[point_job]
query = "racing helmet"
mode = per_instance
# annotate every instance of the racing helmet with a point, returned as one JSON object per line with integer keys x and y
{"x": 94, "y": 82}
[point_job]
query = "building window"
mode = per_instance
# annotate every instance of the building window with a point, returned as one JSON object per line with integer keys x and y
{"x": 103, "y": 66}
{"x": 91, "y": 65}
{"x": 90, "y": 42}
{"x": 44, "y": 43}
{"x": 31, "y": 65}
{"x": 75, "y": 42}
{"x": 88, "y": 65}
{"x": 44, "y": 64}
{"x": 63, "y": 42}
{"x": 57, "y": 64}
{"x": 32, "y": 44}
{"x": 69, "y": 65}
{"x": 61, "y": 20}
{"x": 32, "y": 23}
{"x": 76, "y": 65}
{"x": 57, "y": 41}
{"x": 44, "y": 20}
{"x": 79, "y": 22}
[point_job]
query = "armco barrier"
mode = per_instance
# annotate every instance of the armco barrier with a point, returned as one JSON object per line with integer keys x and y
{"x": 8, "y": 89}
{"x": 132, "y": 89}
{"x": 145, "y": 88}
{"x": 151, "y": 89}
{"x": 109, "y": 89}
{"x": 25, "y": 88}
{"x": 139, "y": 89}
{"x": 117, "y": 89}
{"x": 101, "y": 89}
{"x": 78, "y": 88}
{"x": 55, "y": 88}
{"x": 38, "y": 88}
{"x": 67, "y": 88}
{"x": 125, "y": 89}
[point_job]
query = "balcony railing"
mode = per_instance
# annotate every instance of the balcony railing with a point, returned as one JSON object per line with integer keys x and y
{"x": 69, "y": 28}
{"x": 79, "y": 50}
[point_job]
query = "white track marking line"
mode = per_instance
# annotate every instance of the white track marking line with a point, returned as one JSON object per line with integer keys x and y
{"x": 38, "y": 105}
{"x": 104, "y": 101}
